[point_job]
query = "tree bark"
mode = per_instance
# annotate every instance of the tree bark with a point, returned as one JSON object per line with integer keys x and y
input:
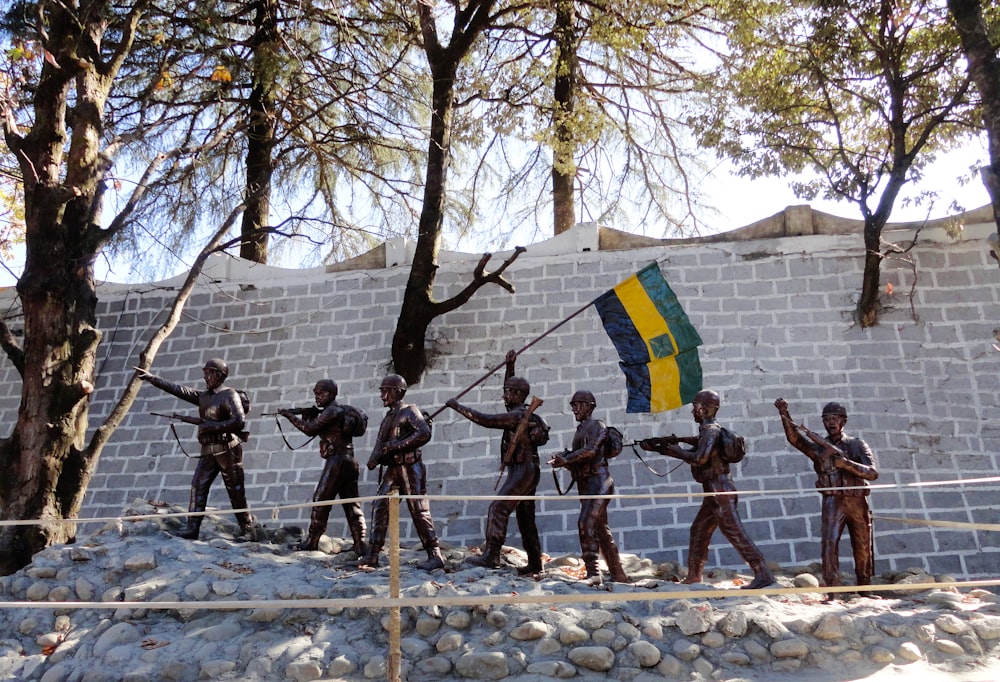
{"x": 260, "y": 133}
{"x": 984, "y": 69}
{"x": 409, "y": 356}
{"x": 564, "y": 94}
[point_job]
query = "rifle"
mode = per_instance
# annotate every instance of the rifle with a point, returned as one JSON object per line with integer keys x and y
{"x": 828, "y": 447}
{"x": 196, "y": 421}
{"x": 179, "y": 417}
{"x": 522, "y": 426}
{"x": 293, "y": 410}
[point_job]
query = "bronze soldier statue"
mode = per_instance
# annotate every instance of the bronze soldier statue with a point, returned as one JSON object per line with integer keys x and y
{"x": 710, "y": 468}
{"x": 523, "y": 431}
{"x": 397, "y": 447}
{"x": 588, "y": 463}
{"x": 337, "y": 426}
{"x": 221, "y": 430}
{"x": 844, "y": 465}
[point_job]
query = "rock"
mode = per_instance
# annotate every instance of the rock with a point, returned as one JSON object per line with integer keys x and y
{"x": 449, "y": 641}
{"x": 497, "y": 619}
{"x": 597, "y": 658}
{"x": 477, "y": 665}
{"x": 789, "y": 648}
{"x": 948, "y": 647}
{"x": 830, "y": 626}
{"x": 805, "y": 580}
{"x": 570, "y": 634}
{"x": 986, "y": 627}
{"x": 141, "y": 561}
{"x": 304, "y": 671}
{"x": 694, "y": 621}
{"x": 645, "y": 653}
{"x": 685, "y": 650}
{"x": 529, "y": 631}
{"x": 733, "y": 624}
{"x": 117, "y": 634}
{"x": 427, "y": 625}
{"x": 670, "y": 667}
{"x": 458, "y": 619}
{"x": 908, "y": 651}
{"x": 557, "y": 669}
{"x": 736, "y": 658}
{"x": 38, "y": 591}
{"x": 881, "y": 655}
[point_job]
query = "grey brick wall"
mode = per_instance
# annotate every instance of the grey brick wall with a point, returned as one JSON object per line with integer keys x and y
{"x": 775, "y": 315}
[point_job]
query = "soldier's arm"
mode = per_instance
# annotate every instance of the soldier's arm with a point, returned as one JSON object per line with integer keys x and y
{"x": 421, "y": 434}
{"x": 183, "y": 392}
{"x": 313, "y": 425}
{"x": 588, "y": 451}
{"x": 506, "y": 420}
{"x": 237, "y": 418}
{"x": 865, "y": 468}
{"x": 792, "y": 433}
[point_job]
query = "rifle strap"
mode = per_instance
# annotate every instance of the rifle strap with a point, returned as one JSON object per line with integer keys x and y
{"x": 555, "y": 477}
{"x": 287, "y": 444}
{"x": 651, "y": 469}
{"x": 173, "y": 430}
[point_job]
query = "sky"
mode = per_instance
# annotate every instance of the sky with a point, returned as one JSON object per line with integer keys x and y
{"x": 741, "y": 201}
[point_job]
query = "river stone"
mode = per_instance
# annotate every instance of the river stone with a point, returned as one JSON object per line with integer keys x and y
{"x": 952, "y": 624}
{"x": 685, "y": 650}
{"x": 529, "y": 631}
{"x": 570, "y": 634}
{"x": 449, "y": 641}
{"x": 948, "y": 647}
{"x": 830, "y": 626}
{"x": 645, "y": 653}
{"x": 908, "y": 651}
{"x": 119, "y": 633}
{"x": 598, "y": 658}
{"x": 558, "y": 669}
{"x": 733, "y": 624}
{"x": 987, "y": 627}
{"x": 304, "y": 671}
{"x": 789, "y": 648}
{"x": 483, "y": 665}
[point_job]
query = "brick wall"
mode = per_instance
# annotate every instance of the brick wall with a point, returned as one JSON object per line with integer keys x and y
{"x": 775, "y": 315}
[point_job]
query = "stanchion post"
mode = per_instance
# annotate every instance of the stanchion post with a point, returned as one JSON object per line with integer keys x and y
{"x": 395, "y": 651}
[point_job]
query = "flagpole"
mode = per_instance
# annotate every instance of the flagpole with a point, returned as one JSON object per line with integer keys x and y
{"x": 526, "y": 347}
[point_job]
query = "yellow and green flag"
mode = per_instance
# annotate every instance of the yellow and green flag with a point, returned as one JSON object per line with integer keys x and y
{"x": 656, "y": 341}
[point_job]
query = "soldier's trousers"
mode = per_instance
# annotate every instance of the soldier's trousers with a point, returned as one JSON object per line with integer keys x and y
{"x": 522, "y": 479}
{"x": 720, "y": 512}
{"x": 409, "y": 479}
{"x": 229, "y": 463}
{"x": 339, "y": 477}
{"x": 850, "y": 511}
{"x": 592, "y": 523}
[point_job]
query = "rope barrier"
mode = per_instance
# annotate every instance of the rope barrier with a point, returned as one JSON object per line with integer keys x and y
{"x": 275, "y": 509}
{"x": 599, "y": 595}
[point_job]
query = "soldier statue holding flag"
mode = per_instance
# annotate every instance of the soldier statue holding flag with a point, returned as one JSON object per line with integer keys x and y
{"x": 523, "y": 431}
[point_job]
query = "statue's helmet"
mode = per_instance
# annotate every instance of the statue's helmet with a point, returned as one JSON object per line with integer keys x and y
{"x": 219, "y": 365}
{"x": 518, "y": 384}
{"x": 394, "y": 381}
{"x": 583, "y": 397}
{"x": 834, "y": 408}
{"x": 328, "y": 385}
{"x": 707, "y": 397}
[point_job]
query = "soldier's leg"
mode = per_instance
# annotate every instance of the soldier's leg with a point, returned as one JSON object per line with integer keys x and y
{"x": 230, "y": 464}
{"x": 586, "y": 524}
{"x": 347, "y": 488}
{"x": 380, "y": 517}
{"x": 702, "y": 527}
{"x": 497, "y": 520}
{"x": 859, "y": 527}
{"x": 732, "y": 527}
{"x": 606, "y": 539}
{"x": 420, "y": 511}
{"x": 526, "y": 523}
{"x": 326, "y": 489}
{"x": 205, "y": 472}
{"x": 831, "y": 528}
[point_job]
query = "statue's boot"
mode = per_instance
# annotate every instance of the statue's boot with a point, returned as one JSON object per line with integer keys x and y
{"x": 762, "y": 576}
{"x": 489, "y": 559}
{"x": 590, "y": 561}
{"x": 434, "y": 560}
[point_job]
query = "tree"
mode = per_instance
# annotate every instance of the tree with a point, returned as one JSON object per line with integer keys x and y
{"x": 419, "y": 307}
{"x": 980, "y": 46}
{"x": 862, "y": 93}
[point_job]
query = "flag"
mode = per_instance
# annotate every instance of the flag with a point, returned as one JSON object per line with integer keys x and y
{"x": 656, "y": 341}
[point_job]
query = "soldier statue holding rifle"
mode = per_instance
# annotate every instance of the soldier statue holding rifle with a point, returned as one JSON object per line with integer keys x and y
{"x": 588, "y": 463}
{"x": 710, "y": 467}
{"x": 221, "y": 425}
{"x": 523, "y": 431}
{"x": 337, "y": 426}
{"x": 397, "y": 448}
{"x": 844, "y": 465}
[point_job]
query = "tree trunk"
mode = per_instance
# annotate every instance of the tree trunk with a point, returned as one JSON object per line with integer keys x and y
{"x": 260, "y": 134}
{"x": 44, "y": 464}
{"x": 869, "y": 305}
{"x": 409, "y": 357}
{"x": 564, "y": 149}
{"x": 984, "y": 68}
